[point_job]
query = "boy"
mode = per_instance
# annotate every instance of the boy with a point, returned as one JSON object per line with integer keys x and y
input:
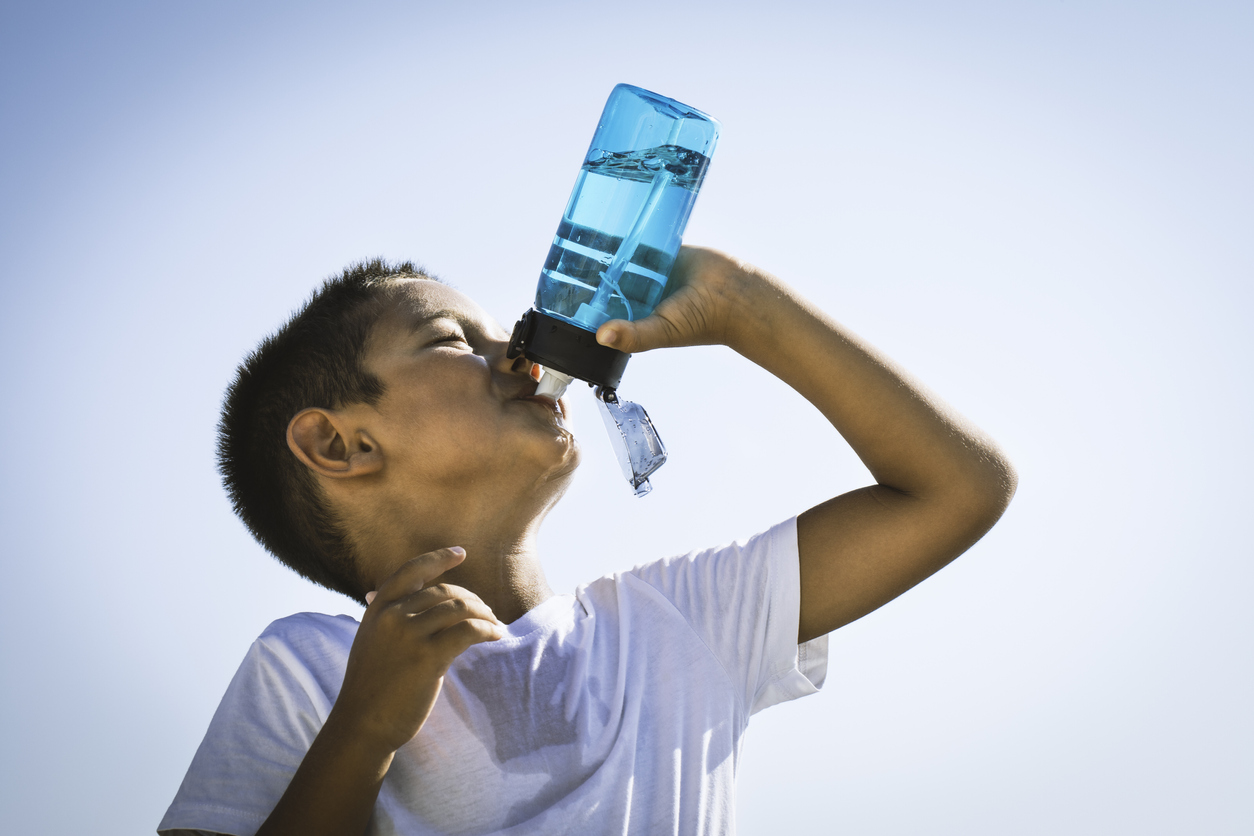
{"x": 384, "y": 445}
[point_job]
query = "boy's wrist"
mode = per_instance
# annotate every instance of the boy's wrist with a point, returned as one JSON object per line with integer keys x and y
{"x": 753, "y": 299}
{"x": 336, "y": 785}
{"x": 353, "y": 738}
{"x": 731, "y": 295}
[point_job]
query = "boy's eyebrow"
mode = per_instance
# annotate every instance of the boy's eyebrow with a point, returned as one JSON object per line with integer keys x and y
{"x": 444, "y": 313}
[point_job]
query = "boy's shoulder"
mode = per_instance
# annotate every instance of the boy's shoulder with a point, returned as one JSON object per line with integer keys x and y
{"x": 304, "y": 636}
{"x": 310, "y": 622}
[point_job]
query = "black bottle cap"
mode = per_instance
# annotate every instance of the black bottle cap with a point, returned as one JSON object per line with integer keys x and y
{"x": 565, "y": 347}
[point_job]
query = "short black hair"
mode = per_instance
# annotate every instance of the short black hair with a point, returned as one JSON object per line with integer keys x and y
{"x": 314, "y": 360}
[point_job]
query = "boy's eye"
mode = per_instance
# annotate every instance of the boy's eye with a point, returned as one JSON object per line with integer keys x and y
{"x": 449, "y": 338}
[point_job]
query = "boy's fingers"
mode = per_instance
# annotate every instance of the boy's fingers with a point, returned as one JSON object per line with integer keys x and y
{"x": 453, "y": 640}
{"x": 430, "y": 597}
{"x": 417, "y": 573}
{"x": 696, "y": 310}
{"x": 448, "y": 612}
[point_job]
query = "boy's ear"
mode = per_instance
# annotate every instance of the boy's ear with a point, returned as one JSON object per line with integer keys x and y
{"x": 328, "y": 445}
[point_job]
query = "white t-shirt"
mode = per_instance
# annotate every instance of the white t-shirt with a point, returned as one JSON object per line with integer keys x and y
{"x": 619, "y": 709}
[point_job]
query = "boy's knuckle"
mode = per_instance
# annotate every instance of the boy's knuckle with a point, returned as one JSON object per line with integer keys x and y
{"x": 461, "y": 635}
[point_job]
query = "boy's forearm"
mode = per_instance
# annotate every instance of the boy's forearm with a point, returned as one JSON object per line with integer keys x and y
{"x": 941, "y": 483}
{"x": 334, "y": 790}
{"x": 906, "y": 436}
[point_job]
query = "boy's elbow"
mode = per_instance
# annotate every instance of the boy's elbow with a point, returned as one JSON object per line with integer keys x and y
{"x": 973, "y": 492}
{"x": 989, "y": 490}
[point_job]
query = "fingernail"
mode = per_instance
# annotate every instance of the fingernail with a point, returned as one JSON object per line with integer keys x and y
{"x": 607, "y": 337}
{"x": 457, "y": 550}
{"x": 370, "y": 597}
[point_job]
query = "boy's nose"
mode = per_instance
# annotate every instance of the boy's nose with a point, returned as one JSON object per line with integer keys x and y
{"x": 521, "y": 365}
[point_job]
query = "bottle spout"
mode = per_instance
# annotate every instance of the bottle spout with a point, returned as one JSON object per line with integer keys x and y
{"x": 553, "y": 384}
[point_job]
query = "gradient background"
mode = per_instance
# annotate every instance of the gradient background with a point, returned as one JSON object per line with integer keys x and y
{"x": 1042, "y": 209}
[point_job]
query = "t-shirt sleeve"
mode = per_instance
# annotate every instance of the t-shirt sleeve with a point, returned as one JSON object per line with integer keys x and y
{"x": 263, "y": 727}
{"x": 744, "y": 601}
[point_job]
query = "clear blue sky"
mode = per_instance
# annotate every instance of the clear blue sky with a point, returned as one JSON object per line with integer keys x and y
{"x": 1042, "y": 209}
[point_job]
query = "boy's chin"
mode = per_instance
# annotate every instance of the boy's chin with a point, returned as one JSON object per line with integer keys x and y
{"x": 571, "y": 456}
{"x": 566, "y": 457}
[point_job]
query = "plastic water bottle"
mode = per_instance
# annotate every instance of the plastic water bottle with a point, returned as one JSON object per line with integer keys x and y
{"x": 621, "y": 231}
{"x": 613, "y": 253}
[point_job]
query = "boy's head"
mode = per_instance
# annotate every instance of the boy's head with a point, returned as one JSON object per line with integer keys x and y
{"x": 386, "y": 403}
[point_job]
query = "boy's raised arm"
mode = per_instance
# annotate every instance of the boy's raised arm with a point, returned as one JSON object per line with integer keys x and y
{"x": 940, "y": 483}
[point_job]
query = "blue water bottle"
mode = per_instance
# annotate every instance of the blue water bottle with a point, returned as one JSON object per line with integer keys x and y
{"x": 613, "y": 254}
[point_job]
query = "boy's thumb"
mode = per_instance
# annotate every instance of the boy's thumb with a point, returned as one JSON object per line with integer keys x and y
{"x": 612, "y": 336}
{"x": 650, "y": 332}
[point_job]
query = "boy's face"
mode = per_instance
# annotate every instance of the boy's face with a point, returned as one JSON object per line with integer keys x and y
{"x": 457, "y": 415}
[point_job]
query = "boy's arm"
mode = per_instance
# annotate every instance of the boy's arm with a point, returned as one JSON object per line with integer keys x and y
{"x": 941, "y": 484}
{"x": 409, "y": 635}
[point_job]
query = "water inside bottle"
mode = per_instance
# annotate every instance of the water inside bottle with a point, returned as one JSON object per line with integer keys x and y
{"x": 618, "y": 240}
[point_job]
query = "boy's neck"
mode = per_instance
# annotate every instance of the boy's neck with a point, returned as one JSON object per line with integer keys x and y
{"x": 496, "y": 524}
{"x": 502, "y": 565}
{"x": 508, "y": 577}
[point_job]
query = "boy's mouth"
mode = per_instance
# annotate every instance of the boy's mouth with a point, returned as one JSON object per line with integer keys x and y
{"x": 556, "y": 406}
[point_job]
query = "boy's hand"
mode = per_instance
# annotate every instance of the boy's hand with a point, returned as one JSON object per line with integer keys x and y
{"x": 708, "y": 297}
{"x": 409, "y": 635}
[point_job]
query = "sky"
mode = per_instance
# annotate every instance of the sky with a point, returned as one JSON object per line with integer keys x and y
{"x": 1041, "y": 209}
